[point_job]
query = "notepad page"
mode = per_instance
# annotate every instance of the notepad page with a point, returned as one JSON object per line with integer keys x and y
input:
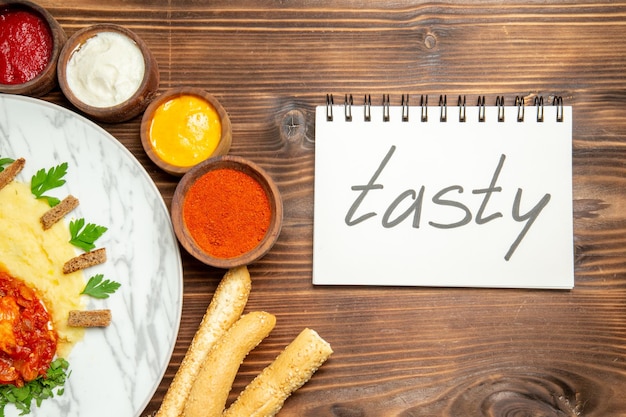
{"x": 432, "y": 203}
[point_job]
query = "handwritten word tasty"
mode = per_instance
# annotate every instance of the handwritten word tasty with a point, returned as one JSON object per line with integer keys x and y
{"x": 394, "y": 215}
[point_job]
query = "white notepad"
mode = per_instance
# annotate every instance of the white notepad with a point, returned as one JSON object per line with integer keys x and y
{"x": 410, "y": 201}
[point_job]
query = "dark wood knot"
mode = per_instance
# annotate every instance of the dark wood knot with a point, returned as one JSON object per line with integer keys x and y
{"x": 528, "y": 395}
{"x": 293, "y": 126}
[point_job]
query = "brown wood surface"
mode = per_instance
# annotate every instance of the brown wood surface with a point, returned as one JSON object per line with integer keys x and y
{"x": 407, "y": 351}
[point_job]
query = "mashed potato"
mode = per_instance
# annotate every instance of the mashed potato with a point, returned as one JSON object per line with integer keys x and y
{"x": 36, "y": 256}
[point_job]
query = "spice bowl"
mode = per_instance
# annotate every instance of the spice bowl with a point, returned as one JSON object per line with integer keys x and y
{"x": 108, "y": 72}
{"x": 30, "y": 65}
{"x": 183, "y": 127}
{"x": 227, "y": 212}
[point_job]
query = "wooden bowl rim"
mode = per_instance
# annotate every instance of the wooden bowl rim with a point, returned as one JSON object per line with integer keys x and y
{"x": 256, "y": 172}
{"x": 104, "y": 113}
{"x": 222, "y": 147}
{"x": 37, "y": 86}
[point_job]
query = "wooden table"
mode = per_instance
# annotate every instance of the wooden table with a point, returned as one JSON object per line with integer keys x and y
{"x": 407, "y": 351}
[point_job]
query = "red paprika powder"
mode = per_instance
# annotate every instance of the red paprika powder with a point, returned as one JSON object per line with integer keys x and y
{"x": 25, "y": 45}
{"x": 227, "y": 212}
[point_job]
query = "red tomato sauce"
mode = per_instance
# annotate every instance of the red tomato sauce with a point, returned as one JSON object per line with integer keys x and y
{"x": 27, "y": 340}
{"x": 25, "y": 45}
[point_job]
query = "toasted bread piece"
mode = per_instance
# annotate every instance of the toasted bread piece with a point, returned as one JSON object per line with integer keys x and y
{"x": 89, "y": 318}
{"x": 85, "y": 260}
{"x": 10, "y": 172}
{"x": 59, "y": 211}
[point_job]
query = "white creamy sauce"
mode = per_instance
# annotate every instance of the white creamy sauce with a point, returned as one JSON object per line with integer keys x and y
{"x": 106, "y": 70}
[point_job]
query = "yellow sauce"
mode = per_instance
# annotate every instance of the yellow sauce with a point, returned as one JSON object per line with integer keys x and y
{"x": 36, "y": 257}
{"x": 185, "y": 130}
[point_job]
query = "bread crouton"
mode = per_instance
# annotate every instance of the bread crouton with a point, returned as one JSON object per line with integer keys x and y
{"x": 10, "y": 172}
{"x": 59, "y": 211}
{"x": 85, "y": 260}
{"x": 89, "y": 318}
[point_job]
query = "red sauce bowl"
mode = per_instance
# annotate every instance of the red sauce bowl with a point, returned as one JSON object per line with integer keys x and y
{"x": 186, "y": 236}
{"x": 46, "y": 79}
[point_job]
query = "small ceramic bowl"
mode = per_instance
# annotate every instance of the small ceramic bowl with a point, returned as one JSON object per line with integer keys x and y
{"x": 191, "y": 114}
{"x": 108, "y": 72}
{"x": 190, "y": 239}
{"x": 46, "y": 80}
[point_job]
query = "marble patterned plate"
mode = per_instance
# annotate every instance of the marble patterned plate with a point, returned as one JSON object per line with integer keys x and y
{"x": 114, "y": 371}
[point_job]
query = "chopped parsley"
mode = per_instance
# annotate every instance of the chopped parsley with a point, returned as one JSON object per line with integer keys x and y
{"x": 84, "y": 235}
{"x": 98, "y": 287}
{"x": 44, "y": 181}
{"x": 39, "y": 389}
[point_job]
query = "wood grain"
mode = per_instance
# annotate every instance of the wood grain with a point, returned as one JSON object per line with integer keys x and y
{"x": 407, "y": 351}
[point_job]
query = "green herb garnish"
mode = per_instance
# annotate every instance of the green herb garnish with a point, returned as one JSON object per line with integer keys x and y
{"x": 44, "y": 181}
{"x": 5, "y": 161}
{"x": 39, "y": 389}
{"x": 84, "y": 235}
{"x": 98, "y": 287}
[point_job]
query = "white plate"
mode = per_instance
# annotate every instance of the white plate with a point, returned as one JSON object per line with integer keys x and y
{"x": 114, "y": 371}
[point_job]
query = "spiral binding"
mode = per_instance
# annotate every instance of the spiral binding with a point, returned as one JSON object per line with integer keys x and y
{"x": 443, "y": 107}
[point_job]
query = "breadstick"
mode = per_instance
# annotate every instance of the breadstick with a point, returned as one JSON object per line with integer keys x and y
{"x": 209, "y": 391}
{"x": 9, "y": 173}
{"x": 225, "y": 308}
{"x": 266, "y": 394}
